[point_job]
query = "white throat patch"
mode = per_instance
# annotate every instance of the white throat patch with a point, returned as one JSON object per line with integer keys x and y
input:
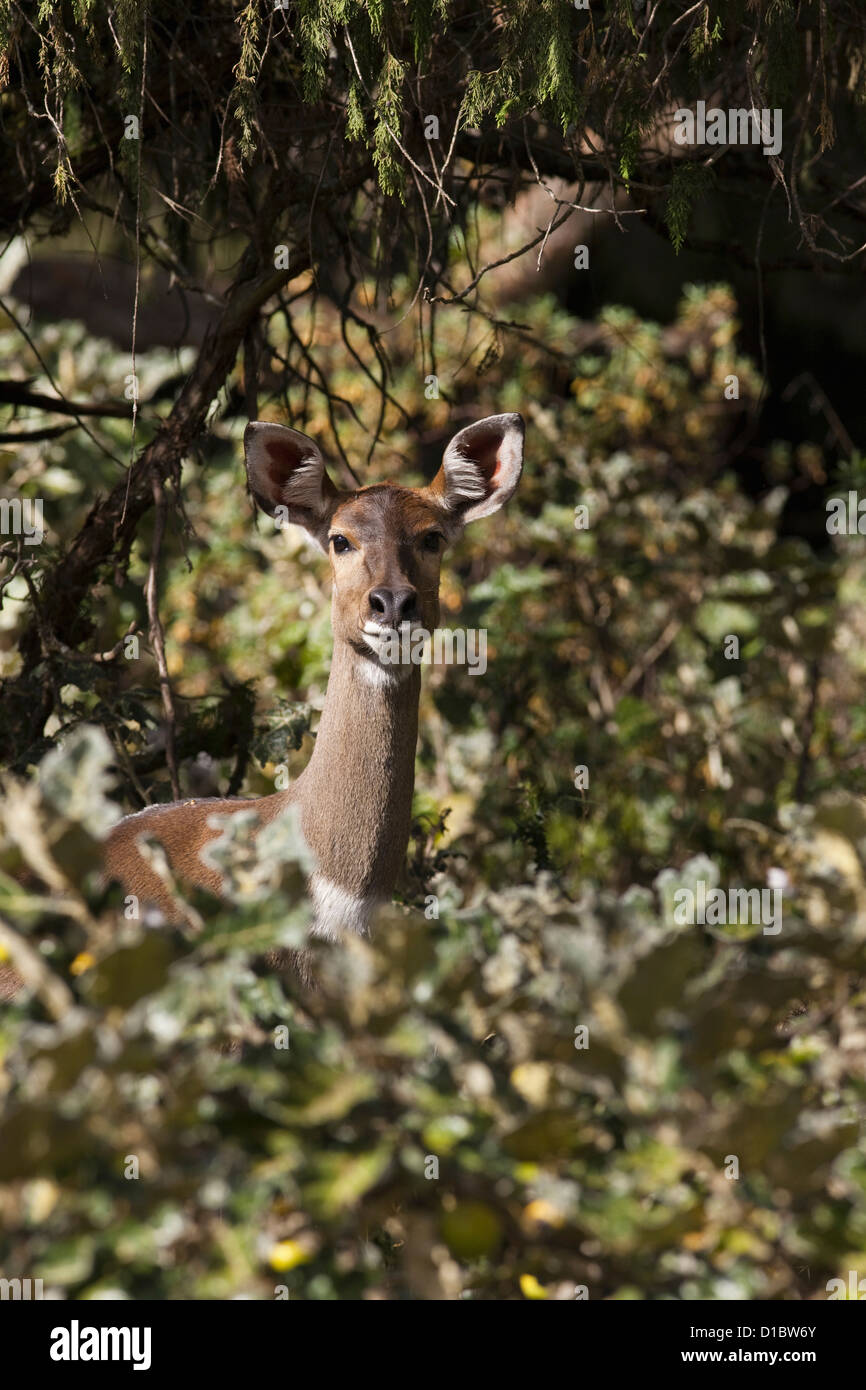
{"x": 337, "y": 911}
{"x": 375, "y": 674}
{"x": 381, "y": 672}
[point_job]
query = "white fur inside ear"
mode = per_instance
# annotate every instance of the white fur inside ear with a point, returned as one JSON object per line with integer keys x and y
{"x": 304, "y": 487}
{"x": 285, "y": 467}
{"x": 483, "y": 488}
{"x": 464, "y": 478}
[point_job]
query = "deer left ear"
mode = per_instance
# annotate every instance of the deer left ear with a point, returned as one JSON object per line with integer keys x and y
{"x": 481, "y": 467}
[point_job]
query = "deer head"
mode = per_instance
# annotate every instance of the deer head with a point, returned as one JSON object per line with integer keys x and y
{"x": 385, "y": 542}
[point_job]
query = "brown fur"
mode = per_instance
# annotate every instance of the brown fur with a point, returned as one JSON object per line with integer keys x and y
{"x": 355, "y": 794}
{"x": 362, "y": 768}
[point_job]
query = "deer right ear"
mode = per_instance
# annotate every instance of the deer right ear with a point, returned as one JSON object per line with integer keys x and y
{"x": 287, "y": 476}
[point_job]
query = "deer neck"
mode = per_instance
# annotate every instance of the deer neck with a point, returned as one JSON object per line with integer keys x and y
{"x": 356, "y": 791}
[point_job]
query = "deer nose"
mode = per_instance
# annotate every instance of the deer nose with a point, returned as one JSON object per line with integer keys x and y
{"x": 392, "y": 606}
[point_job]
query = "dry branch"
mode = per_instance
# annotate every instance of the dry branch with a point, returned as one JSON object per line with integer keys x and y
{"x": 110, "y": 527}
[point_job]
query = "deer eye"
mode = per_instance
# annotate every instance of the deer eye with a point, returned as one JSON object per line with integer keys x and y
{"x": 431, "y": 541}
{"x": 340, "y": 544}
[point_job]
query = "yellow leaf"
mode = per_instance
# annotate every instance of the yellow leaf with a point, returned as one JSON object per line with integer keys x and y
{"x": 533, "y": 1081}
{"x": 542, "y": 1213}
{"x": 287, "y": 1254}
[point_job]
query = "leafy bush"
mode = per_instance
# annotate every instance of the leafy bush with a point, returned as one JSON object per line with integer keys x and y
{"x": 181, "y": 1120}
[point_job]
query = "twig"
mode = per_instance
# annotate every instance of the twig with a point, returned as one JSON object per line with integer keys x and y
{"x": 157, "y": 638}
{"x": 53, "y": 992}
{"x": 649, "y": 658}
{"x": 104, "y": 532}
{"x": 494, "y": 265}
{"x": 15, "y": 393}
{"x": 808, "y": 731}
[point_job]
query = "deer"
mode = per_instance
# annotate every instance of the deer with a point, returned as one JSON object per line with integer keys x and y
{"x": 385, "y": 544}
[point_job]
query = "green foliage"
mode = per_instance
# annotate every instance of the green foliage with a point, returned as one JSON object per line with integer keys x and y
{"x": 605, "y": 80}
{"x": 543, "y": 1082}
{"x": 687, "y": 183}
{"x": 142, "y": 1159}
{"x": 387, "y": 116}
{"x": 283, "y": 1137}
{"x": 704, "y": 38}
{"x": 247, "y": 72}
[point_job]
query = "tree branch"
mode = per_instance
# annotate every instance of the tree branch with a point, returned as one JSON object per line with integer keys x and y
{"x": 111, "y": 524}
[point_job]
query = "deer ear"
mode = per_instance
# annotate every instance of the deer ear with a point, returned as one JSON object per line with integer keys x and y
{"x": 286, "y": 470}
{"x": 481, "y": 467}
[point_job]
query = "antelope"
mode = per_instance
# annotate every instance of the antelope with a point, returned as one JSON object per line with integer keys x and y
{"x": 385, "y": 544}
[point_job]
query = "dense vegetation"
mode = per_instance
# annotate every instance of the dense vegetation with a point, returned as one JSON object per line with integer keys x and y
{"x": 534, "y": 1082}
